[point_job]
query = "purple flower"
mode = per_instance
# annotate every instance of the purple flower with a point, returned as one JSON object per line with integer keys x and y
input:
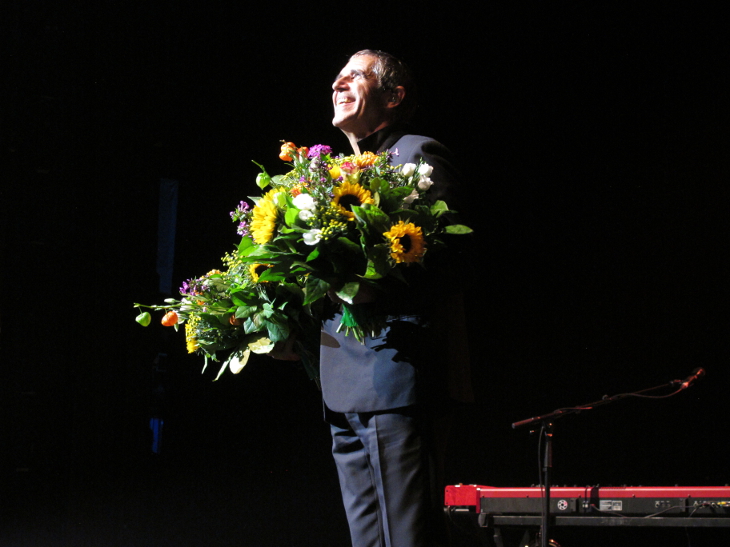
{"x": 319, "y": 150}
{"x": 188, "y": 287}
{"x": 242, "y": 229}
{"x": 191, "y": 287}
{"x": 240, "y": 211}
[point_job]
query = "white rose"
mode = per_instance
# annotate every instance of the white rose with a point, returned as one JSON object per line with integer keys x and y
{"x": 424, "y": 183}
{"x": 305, "y": 214}
{"x": 410, "y": 198}
{"x": 408, "y": 169}
{"x": 305, "y": 202}
{"x": 312, "y": 237}
{"x": 425, "y": 170}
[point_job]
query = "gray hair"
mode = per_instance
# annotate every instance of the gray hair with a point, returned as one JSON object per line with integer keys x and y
{"x": 391, "y": 72}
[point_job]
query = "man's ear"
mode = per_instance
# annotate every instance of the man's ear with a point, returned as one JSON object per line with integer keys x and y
{"x": 396, "y": 96}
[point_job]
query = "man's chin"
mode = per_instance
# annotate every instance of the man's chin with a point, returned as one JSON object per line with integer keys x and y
{"x": 340, "y": 122}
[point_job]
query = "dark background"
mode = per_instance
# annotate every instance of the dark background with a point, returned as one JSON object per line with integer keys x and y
{"x": 594, "y": 141}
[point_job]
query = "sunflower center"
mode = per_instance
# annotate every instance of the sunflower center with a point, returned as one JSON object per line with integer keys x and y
{"x": 348, "y": 200}
{"x": 405, "y": 240}
{"x": 260, "y": 268}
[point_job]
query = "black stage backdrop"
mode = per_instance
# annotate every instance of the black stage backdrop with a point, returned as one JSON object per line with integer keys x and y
{"x": 594, "y": 143}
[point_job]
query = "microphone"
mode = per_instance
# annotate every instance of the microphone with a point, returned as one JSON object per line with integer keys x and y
{"x": 697, "y": 373}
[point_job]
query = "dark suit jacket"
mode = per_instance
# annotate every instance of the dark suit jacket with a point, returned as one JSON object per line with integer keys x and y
{"x": 423, "y": 355}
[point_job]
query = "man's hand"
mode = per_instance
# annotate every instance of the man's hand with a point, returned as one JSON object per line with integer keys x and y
{"x": 365, "y": 295}
{"x": 284, "y": 351}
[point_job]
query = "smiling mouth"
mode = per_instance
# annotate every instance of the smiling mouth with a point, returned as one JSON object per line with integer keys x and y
{"x": 345, "y": 100}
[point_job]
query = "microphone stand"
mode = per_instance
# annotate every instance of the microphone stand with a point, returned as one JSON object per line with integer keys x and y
{"x": 547, "y": 430}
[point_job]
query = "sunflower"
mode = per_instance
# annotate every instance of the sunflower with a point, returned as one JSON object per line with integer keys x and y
{"x": 256, "y": 270}
{"x": 349, "y": 195}
{"x": 406, "y": 242}
{"x": 264, "y": 218}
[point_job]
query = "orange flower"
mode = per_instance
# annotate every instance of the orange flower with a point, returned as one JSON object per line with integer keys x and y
{"x": 287, "y": 150}
{"x": 366, "y": 159}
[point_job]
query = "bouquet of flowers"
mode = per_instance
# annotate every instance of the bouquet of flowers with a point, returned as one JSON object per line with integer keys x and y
{"x": 235, "y": 310}
{"x": 336, "y": 225}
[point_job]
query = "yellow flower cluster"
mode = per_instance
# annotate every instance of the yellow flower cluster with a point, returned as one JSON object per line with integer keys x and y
{"x": 332, "y": 222}
{"x": 191, "y": 340}
{"x": 231, "y": 261}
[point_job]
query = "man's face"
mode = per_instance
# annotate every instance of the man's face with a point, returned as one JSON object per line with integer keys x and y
{"x": 360, "y": 107}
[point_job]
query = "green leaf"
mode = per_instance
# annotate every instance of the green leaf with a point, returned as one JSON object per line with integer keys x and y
{"x": 458, "y": 229}
{"x": 246, "y": 243}
{"x": 278, "y": 329}
{"x": 222, "y": 370}
{"x": 377, "y": 183}
{"x": 313, "y": 255}
{"x": 291, "y": 216}
{"x": 345, "y": 245}
{"x": 315, "y": 289}
{"x": 378, "y": 264}
{"x": 378, "y": 220}
{"x": 349, "y": 291}
{"x": 244, "y": 312}
{"x": 439, "y": 208}
{"x": 238, "y": 361}
{"x": 261, "y": 344}
{"x": 272, "y": 274}
{"x": 280, "y": 198}
{"x": 249, "y": 326}
{"x": 244, "y": 298}
{"x": 298, "y": 265}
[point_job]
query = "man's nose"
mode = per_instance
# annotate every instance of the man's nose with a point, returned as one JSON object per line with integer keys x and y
{"x": 340, "y": 84}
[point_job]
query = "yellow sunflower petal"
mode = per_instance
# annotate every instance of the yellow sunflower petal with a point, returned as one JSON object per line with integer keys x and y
{"x": 256, "y": 270}
{"x": 406, "y": 242}
{"x": 349, "y": 195}
{"x": 263, "y": 222}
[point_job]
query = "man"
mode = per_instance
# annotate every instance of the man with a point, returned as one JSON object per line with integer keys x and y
{"x": 384, "y": 398}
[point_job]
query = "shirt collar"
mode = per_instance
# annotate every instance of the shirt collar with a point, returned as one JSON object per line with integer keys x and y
{"x": 381, "y": 140}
